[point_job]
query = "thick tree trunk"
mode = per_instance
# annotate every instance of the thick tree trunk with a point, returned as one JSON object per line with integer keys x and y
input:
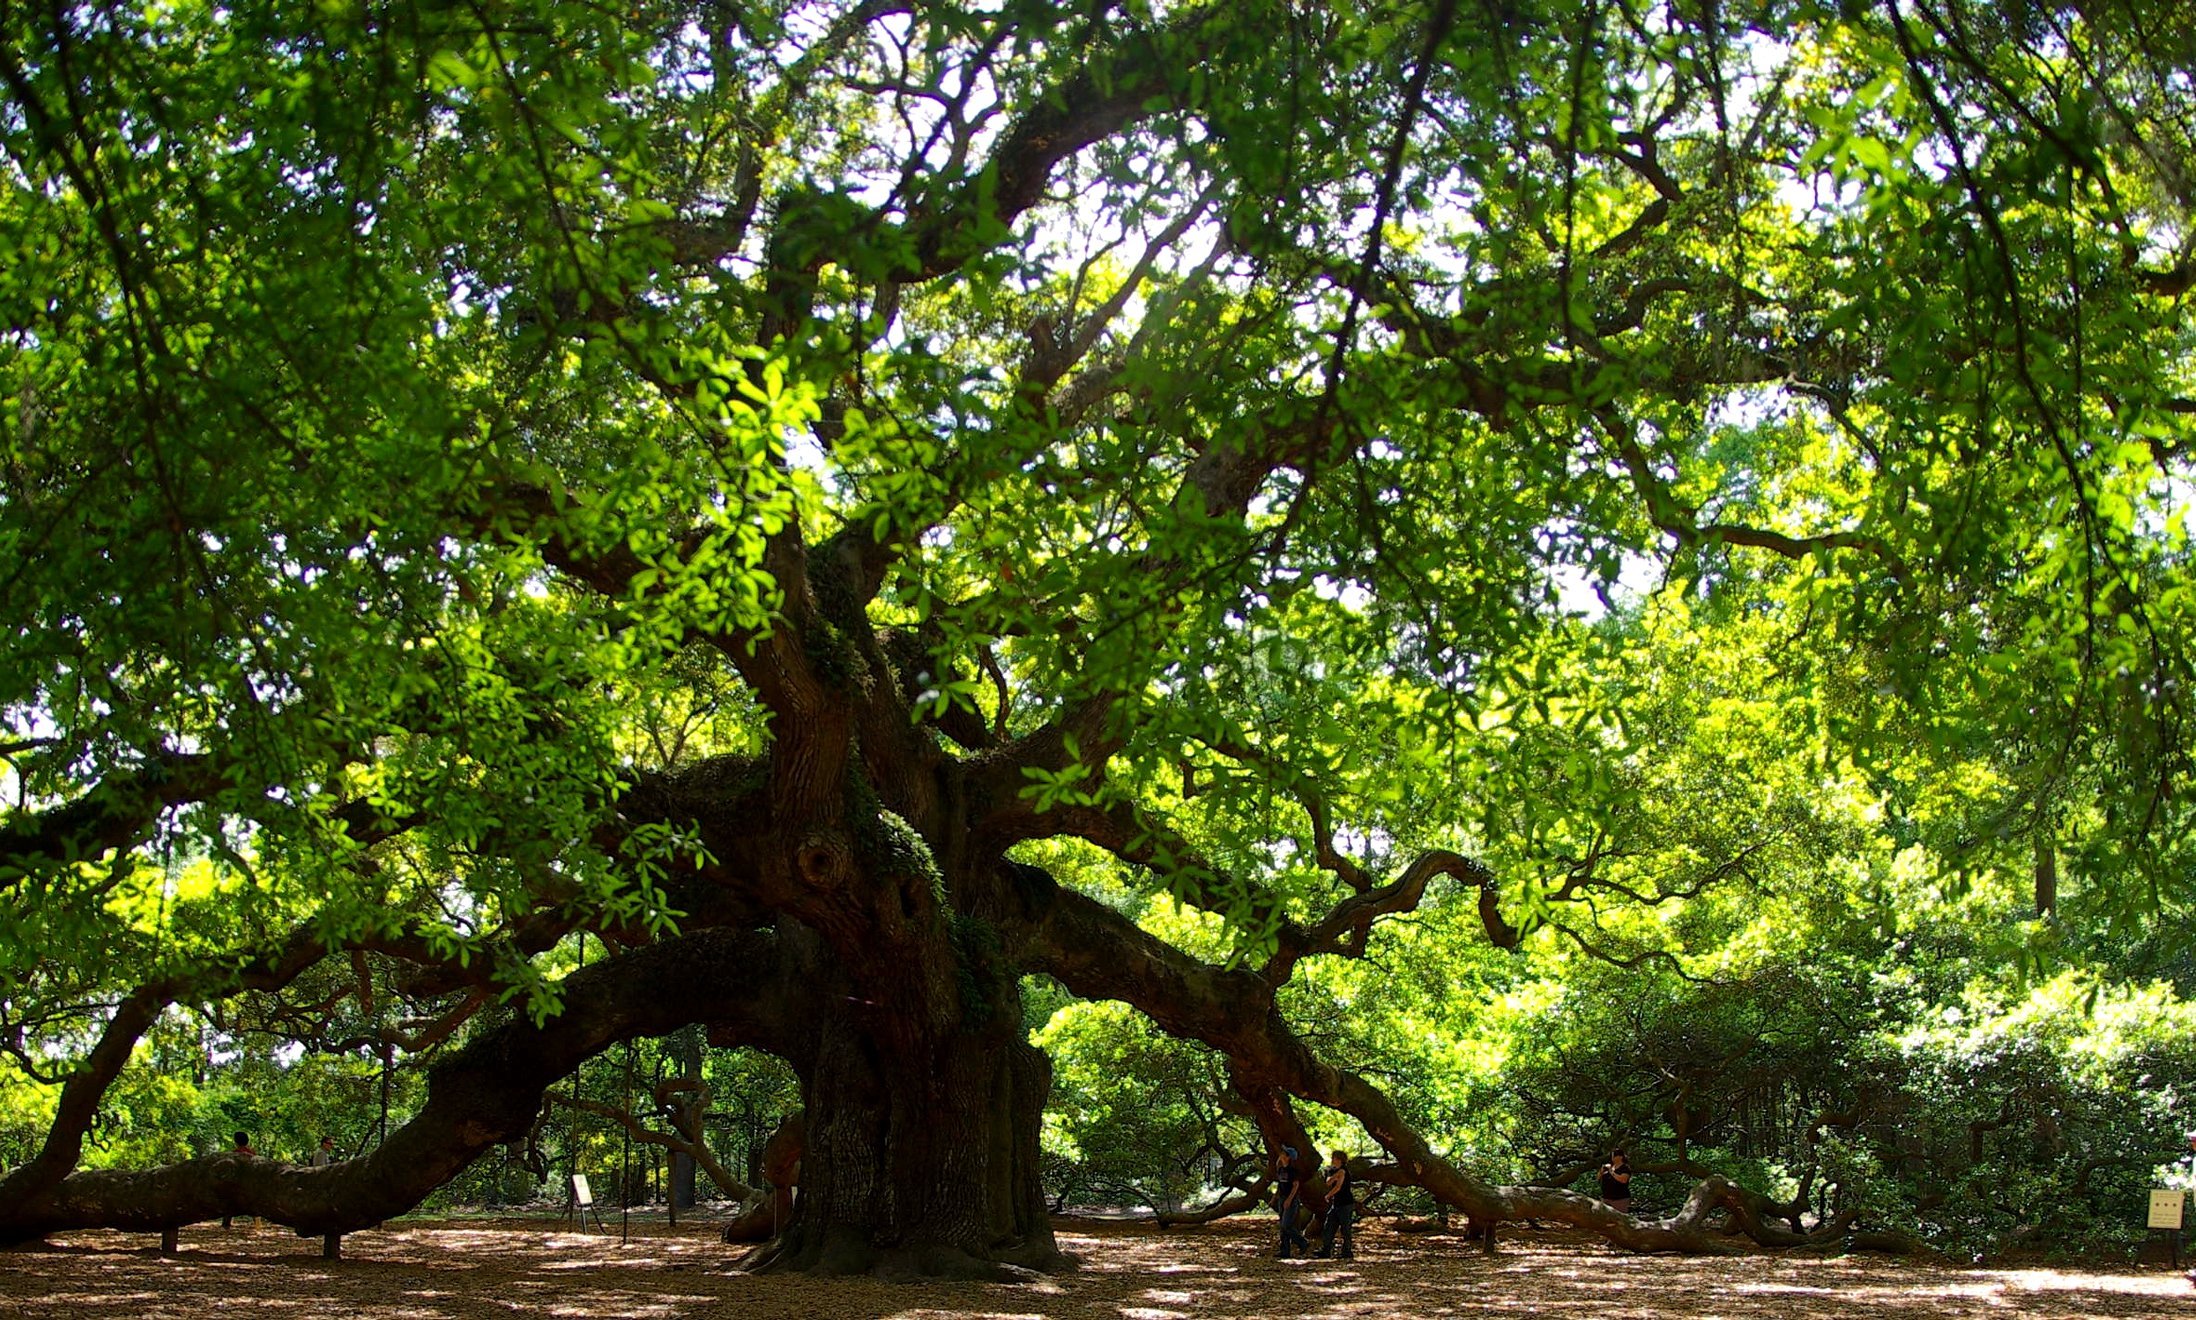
{"x": 682, "y": 1182}
{"x": 921, "y": 1161}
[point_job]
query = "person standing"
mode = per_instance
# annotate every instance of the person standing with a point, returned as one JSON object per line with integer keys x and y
{"x": 1616, "y": 1182}
{"x": 1341, "y": 1213}
{"x": 326, "y": 1154}
{"x": 242, "y": 1147}
{"x": 1288, "y": 1188}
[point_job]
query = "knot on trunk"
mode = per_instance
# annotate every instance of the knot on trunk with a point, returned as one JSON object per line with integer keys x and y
{"x": 825, "y": 860}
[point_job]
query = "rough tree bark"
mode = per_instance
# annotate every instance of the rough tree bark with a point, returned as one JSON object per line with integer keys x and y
{"x": 780, "y": 1171}
{"x": 483, "y": 1095}
{"x": 1094, "y": 952}
{"x": 895, "y": 997}
{"x": 874, "y": 859}
{"x": 921, "y": 1162}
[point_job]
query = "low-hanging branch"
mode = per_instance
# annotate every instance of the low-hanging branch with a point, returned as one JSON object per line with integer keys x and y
{"x": 681, "y": 1143}
{"x": 486, "y": 1093}
{"x": 1097, "y": 953}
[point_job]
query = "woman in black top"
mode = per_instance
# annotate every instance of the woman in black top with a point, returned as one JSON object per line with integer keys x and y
{"x": 1341, "y": 1208}
{"x": 1616, "y": 1183}
{"x": 1288, "y": 1187}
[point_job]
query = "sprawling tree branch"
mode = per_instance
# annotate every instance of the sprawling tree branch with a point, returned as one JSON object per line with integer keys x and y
{"x": 116, "y": 813}
{"x": 1344, "y": 929}
{"x": 685, "y": 1138}
{"x": 1100, "y": 954}
{"x": 483, "y": 1094}
{"x": 86, "y": 1087}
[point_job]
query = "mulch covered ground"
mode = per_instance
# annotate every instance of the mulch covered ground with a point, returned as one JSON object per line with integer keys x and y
{"x": 469, "y": 1269}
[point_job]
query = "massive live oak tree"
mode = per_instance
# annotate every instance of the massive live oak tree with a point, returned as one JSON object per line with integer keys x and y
{"x": 743, "y": 485}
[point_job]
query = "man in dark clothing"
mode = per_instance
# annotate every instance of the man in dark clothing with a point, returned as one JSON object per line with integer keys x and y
{"x": 1288, "y": 1188}
{"x": 242, "y": 1147}
{"x": 1341, "y": 1208}
{"x": 1616, "y": 1183}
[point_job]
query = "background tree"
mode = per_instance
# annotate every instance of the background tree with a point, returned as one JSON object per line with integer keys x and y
{"x": 738, "y": 484}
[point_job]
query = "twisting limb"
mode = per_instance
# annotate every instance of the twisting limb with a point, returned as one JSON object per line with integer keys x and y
{"x": 1100, "y": 954}
{"x": 1681, "y": 521}
{"x": 1246, "y": 1183}
{"x": 424, "y": 1036}
{"x": 482, "y": 1095}
{"x": 81, "y": 1094}
{"x": 681, "y": 1143}
{"x": 1630, "y": 962}
{"x": 1346, "y": 927}
{"x": 114, "y": 814}
{"x": 1241, "y": 1197}
{"x": 1305, "y": 789}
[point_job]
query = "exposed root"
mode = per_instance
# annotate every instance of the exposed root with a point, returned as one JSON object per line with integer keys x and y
{"x": 846, "y": 1254}
{"x": 1235, "y": 1203}
{"x": 1891, "y": 1244}
{"x": 754, "y": 1223}
{"x": 937, "y": 1262}
{"x": 1039, "y": 1254}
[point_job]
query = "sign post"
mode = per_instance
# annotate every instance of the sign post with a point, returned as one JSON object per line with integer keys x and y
{"x": 2166, "y": 1209}
{"x": 583, "y": 1201}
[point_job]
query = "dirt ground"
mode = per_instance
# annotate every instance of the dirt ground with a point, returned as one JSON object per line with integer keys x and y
{"x": 468, "y": 1270}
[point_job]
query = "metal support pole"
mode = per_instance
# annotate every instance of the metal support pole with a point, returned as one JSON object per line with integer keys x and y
{"x": 625, "y": 1160}
{"x": 578, "y": 1214}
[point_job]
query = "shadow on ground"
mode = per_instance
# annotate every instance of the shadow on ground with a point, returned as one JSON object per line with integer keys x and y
{"x": 467, "y": 1270}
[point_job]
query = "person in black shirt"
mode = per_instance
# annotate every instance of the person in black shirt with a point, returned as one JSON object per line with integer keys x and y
{"x": 1341, "y": 1208}
{"x": 1616, "y": 1183}
{"x": 1288, "y": 1187}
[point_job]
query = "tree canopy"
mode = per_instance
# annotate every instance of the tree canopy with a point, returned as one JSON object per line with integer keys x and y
{"x": 846, "y": 506}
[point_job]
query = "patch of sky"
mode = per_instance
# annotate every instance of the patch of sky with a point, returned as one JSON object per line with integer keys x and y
{"x": 805, "y": 453}
{"x": 1583, "y": 591}
{"x": 1350, "y": 594}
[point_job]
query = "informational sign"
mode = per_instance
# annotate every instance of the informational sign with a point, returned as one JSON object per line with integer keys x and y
{"x": 2166, "y": 1207}
{"x": 585, "y": 1195}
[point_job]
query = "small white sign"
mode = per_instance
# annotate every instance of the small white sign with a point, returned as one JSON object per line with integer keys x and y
{"x": 585, "y": 1195}
{"x": 2165, "y": 1208}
